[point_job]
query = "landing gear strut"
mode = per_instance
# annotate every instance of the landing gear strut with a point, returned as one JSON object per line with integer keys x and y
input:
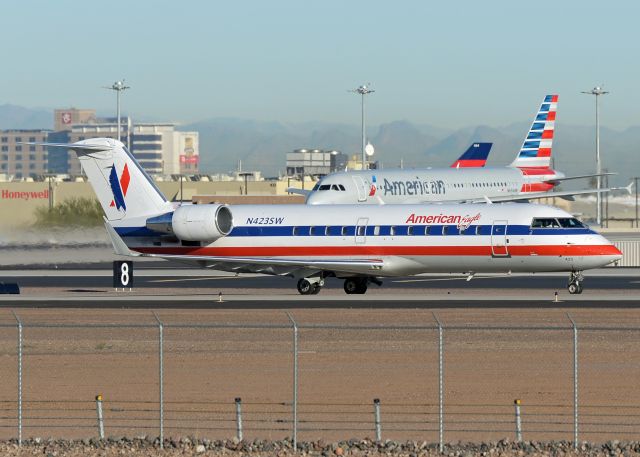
{"x": 575, "y": 282}
{"x": 310, "y": 286}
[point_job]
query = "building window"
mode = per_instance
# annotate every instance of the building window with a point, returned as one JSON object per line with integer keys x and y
{"x": 32, "y": 148}
{"x": 18, "y": 166}
{"x": 3, "y": 166}
{"x": 32, "y": 157}
{"x": 18, "y": 139}
{"x": 5, "y": 139}
{"x": 5, "y": 157}
{"x": 19, "y": 147}
{"x": 32, "y": 166}
{"x": 44, "y": 156}
{"x": 5, "y": 148}
{"x": 32, "y": 139}
{"x": 18, "y": 156}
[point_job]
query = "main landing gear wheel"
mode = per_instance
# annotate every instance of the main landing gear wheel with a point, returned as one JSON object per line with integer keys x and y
{"x": 575, "y": 283}
{"x": 355, "y": 285}
{"x": 306, "y": 287}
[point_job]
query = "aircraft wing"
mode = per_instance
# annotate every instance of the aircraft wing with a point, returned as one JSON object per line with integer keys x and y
{"x": 277, "y": 265}
{"x": 298, "y": 191}
{"x": 566, "y": 195}
{"x": 567, "y": 178}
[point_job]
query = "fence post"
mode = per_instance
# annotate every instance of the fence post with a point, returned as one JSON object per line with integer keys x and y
{"x": 161, "y": 376}
{"x": 100, "y": 417}
{"x": 20, "y": 344}
{"x": 295, "y": 382}
{"x": 376, "y": 418}
{"x": 518, "y": 421}
{"x": 440, "y": 385}
{"x": 575, "y": 382}
{"x": 239, "y": 418}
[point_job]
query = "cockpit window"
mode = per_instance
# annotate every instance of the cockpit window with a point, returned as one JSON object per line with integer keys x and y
{"x": 334, "y": 187}
{"x": 325, "y": 187}
{"x": 315, "y": 187}
{"x": 545, "y": 222}
{"x": 570, "y": 222}
{"x": 341, "y": 187}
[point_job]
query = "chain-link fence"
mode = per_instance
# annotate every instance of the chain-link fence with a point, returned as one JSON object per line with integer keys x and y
{"x": 309, "y": 380}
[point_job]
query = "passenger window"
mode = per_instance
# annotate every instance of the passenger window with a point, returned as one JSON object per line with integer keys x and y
{"x": 478, "y": 229}
{"x": 376, "y": 230}
{"x": 296, "y": 231}
{"x": 445, "y": 229}
{"x": 360, "y": 231}
{"x": 392, "y": 232}
{"x": 410, "y": 230}
{"x": 427, "y": 230}
{"x": 343, "y": 231}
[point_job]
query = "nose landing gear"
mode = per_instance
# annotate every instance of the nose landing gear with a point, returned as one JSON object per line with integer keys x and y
{"x": 575, "y": 282}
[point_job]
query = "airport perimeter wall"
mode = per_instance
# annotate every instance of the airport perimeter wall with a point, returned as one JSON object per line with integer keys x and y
{"x": 213, "y": 378}
{"x": 19, "y": 200}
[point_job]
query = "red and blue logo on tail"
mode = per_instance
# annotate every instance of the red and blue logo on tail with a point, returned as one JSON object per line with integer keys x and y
{"x": 474, "y": 157}
{"x": 119, "y": 187}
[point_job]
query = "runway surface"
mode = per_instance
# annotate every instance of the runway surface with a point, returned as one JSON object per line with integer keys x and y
{"x": 202, "y": 289}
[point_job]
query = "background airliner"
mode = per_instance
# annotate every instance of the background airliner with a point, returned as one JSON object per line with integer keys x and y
{"x": 358, "y": 243}
{"x": 529, "y": 176}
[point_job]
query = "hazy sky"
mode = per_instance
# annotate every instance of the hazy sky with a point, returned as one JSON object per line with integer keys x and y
{"x": 445, "y": 63}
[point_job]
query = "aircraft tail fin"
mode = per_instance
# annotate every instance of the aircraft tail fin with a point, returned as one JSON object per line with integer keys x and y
{"x": 474, "y": 157}
{"x": 536, "y": 149}
{"x": 124, "y": 189}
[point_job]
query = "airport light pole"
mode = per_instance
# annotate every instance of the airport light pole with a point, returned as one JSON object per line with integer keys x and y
{"x": 363, "y": 90}
{"x": 635, "y": 180}
{"x": 118, "y": 86}
{"x": 598, "y": 91}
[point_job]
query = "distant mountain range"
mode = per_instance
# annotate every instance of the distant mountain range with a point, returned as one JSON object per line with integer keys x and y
{"x": 262, "y": 145}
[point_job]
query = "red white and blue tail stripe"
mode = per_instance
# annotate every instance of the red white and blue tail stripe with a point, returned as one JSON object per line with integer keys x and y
{"x": 536, "y": 149}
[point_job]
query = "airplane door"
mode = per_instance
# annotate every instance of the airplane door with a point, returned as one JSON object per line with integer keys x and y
{"x": 360, "y": 186}
{"x": 499, "y": 247}
{"x": 361, "y": 230}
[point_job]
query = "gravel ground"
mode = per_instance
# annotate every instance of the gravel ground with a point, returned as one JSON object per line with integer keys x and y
{"x": 191, "y": 446}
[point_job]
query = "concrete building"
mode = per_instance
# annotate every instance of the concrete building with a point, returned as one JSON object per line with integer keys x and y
{"x": 314, "y": 162}
{"x": 64, "y": 118}
{"x": 21, "y": 160}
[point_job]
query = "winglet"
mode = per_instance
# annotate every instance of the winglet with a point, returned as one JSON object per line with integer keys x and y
{"x": 119, "y": 246}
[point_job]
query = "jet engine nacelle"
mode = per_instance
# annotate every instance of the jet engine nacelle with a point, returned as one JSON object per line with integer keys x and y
{"x": 202, "y": 222}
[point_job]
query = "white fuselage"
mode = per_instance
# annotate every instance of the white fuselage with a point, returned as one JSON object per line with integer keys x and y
{"x": 407, "y": 239}
{"x": 428, "y": 185}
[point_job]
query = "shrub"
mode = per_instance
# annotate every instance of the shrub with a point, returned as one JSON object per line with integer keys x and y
{"x": 79, "y": 212}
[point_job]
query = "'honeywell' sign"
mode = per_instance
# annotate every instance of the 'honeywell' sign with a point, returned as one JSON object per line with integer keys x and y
{"x": 24, "y": 195}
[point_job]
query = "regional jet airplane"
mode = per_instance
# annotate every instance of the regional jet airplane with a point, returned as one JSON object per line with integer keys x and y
{"x": 528, "y": 177}
{"x": 357, "y": 243}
